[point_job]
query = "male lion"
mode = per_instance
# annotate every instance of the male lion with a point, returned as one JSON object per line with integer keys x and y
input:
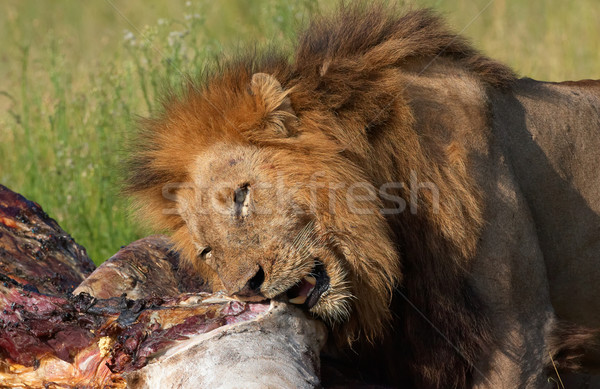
{"x": 408, "y": 190}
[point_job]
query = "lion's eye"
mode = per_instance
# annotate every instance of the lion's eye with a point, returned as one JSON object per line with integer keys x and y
{"x": 239, "y": 195}
{"x": 206, "y": 252}
{"x": 241, "y": 199}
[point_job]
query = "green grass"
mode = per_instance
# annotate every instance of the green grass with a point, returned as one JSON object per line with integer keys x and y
{"x": 74, "y": 80}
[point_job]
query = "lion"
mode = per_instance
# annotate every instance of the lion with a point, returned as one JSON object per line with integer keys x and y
{"x": 439, "y": 213}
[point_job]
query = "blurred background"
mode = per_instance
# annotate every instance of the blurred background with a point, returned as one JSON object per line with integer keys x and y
{"x": 74, "y": 76}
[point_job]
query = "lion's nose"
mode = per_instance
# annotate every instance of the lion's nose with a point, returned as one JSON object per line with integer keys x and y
{"x": 252, "y": 287}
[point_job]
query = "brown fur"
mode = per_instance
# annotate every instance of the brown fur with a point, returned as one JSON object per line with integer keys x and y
{"x": 346, "y": 106}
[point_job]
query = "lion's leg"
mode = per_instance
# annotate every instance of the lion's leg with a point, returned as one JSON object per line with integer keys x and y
{"x": 520, "y": 358}
{"x": 509, "y": 274}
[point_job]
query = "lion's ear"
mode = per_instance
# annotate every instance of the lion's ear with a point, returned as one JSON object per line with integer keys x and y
{"x": 275, "y": 102}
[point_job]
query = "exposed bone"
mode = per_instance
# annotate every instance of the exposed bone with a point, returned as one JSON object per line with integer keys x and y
{"x": 279, "y": 349}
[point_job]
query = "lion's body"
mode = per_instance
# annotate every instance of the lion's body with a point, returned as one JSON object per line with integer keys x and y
{"x": 539, "y": 250}
{"x": 551, "y": 135}
{"x": 487, "y": 259}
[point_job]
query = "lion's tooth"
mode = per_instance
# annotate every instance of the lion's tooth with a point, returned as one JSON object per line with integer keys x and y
{"x": 311, "y": 280}
{"x": 298, "y": 300}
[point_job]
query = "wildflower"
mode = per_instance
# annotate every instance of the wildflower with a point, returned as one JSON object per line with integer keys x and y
{"x": 174, "y": 36}
{"x": 129, "y": 37}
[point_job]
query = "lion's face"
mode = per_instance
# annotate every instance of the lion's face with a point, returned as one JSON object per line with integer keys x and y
{"x": 258, "y": 236}
{"x": 268, "y": 224}
{"x": 266, "y": 205}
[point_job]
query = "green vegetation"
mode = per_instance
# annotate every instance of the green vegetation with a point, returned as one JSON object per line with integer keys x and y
{"x": 76, "y": 74}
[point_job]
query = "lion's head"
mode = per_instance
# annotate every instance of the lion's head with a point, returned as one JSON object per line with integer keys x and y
{"x": 264, "y": 209}
{"x": 266, "y": 170}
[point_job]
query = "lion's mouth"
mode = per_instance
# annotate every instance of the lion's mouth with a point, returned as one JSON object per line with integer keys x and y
{"x": 309, "y": 290}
